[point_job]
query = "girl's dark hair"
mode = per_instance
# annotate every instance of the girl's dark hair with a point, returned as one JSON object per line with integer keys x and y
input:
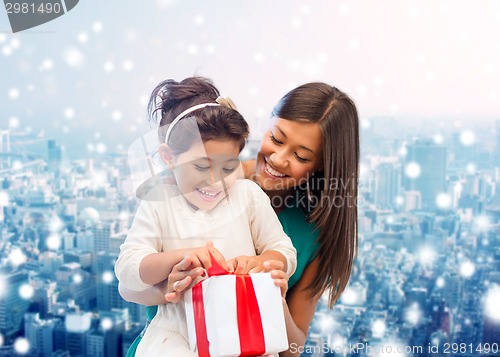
{"x": 335, "y": 187}
{"x": 170, "y": 98}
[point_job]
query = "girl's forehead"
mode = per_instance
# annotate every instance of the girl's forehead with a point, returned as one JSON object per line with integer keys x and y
{"x": 221, "y": 150}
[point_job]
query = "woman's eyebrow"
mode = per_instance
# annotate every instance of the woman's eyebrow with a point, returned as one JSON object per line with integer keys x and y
{"x": 300, "y": 146}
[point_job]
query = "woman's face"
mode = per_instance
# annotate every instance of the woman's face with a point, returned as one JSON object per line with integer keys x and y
{"x": 289, "y": 152}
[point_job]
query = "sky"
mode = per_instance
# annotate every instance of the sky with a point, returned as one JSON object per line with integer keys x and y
{"x": 85, "y": 77}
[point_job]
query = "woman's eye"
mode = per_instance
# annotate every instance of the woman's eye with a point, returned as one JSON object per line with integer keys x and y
{"x": 201, "y": 168}
{"x": 301, "y": 159}
{"x": 276, "y": 141}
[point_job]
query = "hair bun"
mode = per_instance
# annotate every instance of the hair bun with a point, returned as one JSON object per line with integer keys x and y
{"x": 227, "y": 102}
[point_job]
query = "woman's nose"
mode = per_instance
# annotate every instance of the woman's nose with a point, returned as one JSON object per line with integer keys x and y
{"x": 278, "y": 159}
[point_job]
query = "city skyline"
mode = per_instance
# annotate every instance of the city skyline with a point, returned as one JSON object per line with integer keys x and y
{"x": 426, "y": 273}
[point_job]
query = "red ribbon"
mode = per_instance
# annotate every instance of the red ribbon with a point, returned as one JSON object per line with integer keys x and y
{"x": 247, "y": 311}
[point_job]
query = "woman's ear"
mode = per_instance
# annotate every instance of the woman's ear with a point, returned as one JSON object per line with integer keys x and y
{"x": 166, "y": 155}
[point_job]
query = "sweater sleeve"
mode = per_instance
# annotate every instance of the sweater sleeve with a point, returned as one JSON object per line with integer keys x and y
{"x": 144, "y": 238}
{"x": 267, "y": 232}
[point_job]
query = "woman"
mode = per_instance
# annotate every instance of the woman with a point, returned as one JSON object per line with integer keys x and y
{"x": 308, "y": 165}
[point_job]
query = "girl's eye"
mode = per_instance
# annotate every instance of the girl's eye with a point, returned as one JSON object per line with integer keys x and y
{"x": 301, "y": 159}
{"x": 229, "y": 170}
{"x": 276, "y": 141}
{"x": 201, "y": 168}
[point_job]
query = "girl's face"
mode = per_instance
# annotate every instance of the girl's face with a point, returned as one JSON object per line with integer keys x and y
{"x": 289, "y": 152}
{"x": 202, "y": 172}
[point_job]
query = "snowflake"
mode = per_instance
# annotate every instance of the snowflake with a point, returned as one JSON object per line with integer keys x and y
{"x": 69, "y": 113}
{"x": 101, "y": 148}
{"x": 17, "y": 257}
{"x": 378, "y": 328}
{"x": 46, "y": 65}
{"x": 109, "y": 66}
{"x": 21, "y": 345}
{"x": 199, "y": 20}
{"x": 259, "y": 57}
{"x": 116, "y": 115}
{"x": 73, "y": 57}
{"x": 412, "y": 170}
{"x": 97, "y": 27}
{"x": 192, "y": 49}
{"x": 467, "y": 269}
{"x": 56, "y": 224}
{"x": 4, "y": 198}
{"x": 349, "y": 297}
{"x": 108, "y": 277}
{"x": 413, "y": 314}
{"x": 440, "y": 282}
{"x": 26, "y": 291}
{"x": 13, "y": 93}
{"x": 210, "y": 49}
{"x": 438, "y": 139}
{"x": 467, "y": 138}
{"x": 106, "y": 323}
{"x": 6, "y": 50}
{"x": 83, "y": 37}
{"x": 77, "y": 278}
{"x": 443, "y": 201}
{"x": 53, "y": 241}
{"x": 491, "y": 307}
{"x": 128, "y": 65}
{"x": 427, "y": 256}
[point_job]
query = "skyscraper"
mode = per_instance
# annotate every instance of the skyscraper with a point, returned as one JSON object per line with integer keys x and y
{"x": 462, "y": 154}
{"x": 54, "y": 157}
{"x": 497, "y": 143}
{"x": 102, "y": 232}
{"x": 431, "y": 179}
{"x": 12, "y": 306}
{"x": 107, "y": 285}
{"x": 39, "y": 334}
{"x": 388, "y": 181}
{"x": 4, "y": 149}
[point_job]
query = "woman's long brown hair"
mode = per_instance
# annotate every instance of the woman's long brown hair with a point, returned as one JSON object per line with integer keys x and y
{"x": 335, "y": 187}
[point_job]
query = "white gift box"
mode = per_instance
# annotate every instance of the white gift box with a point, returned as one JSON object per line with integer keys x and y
{"x": 223, "y": 329}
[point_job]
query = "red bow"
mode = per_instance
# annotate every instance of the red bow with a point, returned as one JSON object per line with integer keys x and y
{"x": 250, "y": 329}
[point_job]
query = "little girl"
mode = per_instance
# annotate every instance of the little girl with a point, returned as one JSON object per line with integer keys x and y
{"x": 205, "y": 203}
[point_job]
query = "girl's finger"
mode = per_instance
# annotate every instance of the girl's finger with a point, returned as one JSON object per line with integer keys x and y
{"x": 173, "y": 297}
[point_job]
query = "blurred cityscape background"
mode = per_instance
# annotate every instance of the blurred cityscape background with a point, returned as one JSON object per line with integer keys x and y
{"x": 427, "y": 271}
{"x": 424, "y": 76}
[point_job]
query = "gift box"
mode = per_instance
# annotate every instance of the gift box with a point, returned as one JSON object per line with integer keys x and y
{"x": 235, "y": 315}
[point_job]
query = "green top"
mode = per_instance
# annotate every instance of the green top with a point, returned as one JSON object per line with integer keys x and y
{"x": 304, "y": 239}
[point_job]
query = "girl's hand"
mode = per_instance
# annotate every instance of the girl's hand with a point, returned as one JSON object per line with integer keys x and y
{"x": 275, "y": 267}
{"x": 182, "y": 276}
{"x": 246, "y": 265}
{"x": 201, "y": 256}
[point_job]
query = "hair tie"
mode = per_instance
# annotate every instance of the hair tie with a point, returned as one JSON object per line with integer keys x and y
{"x": 226, "y": 102}
{"x": 221, "y": 101}
{"x": 184, "y": 113}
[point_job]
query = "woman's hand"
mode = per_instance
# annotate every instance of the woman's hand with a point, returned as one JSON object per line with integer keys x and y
{"x": 275, "y": 267}
{"x": 181, "y": 277}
